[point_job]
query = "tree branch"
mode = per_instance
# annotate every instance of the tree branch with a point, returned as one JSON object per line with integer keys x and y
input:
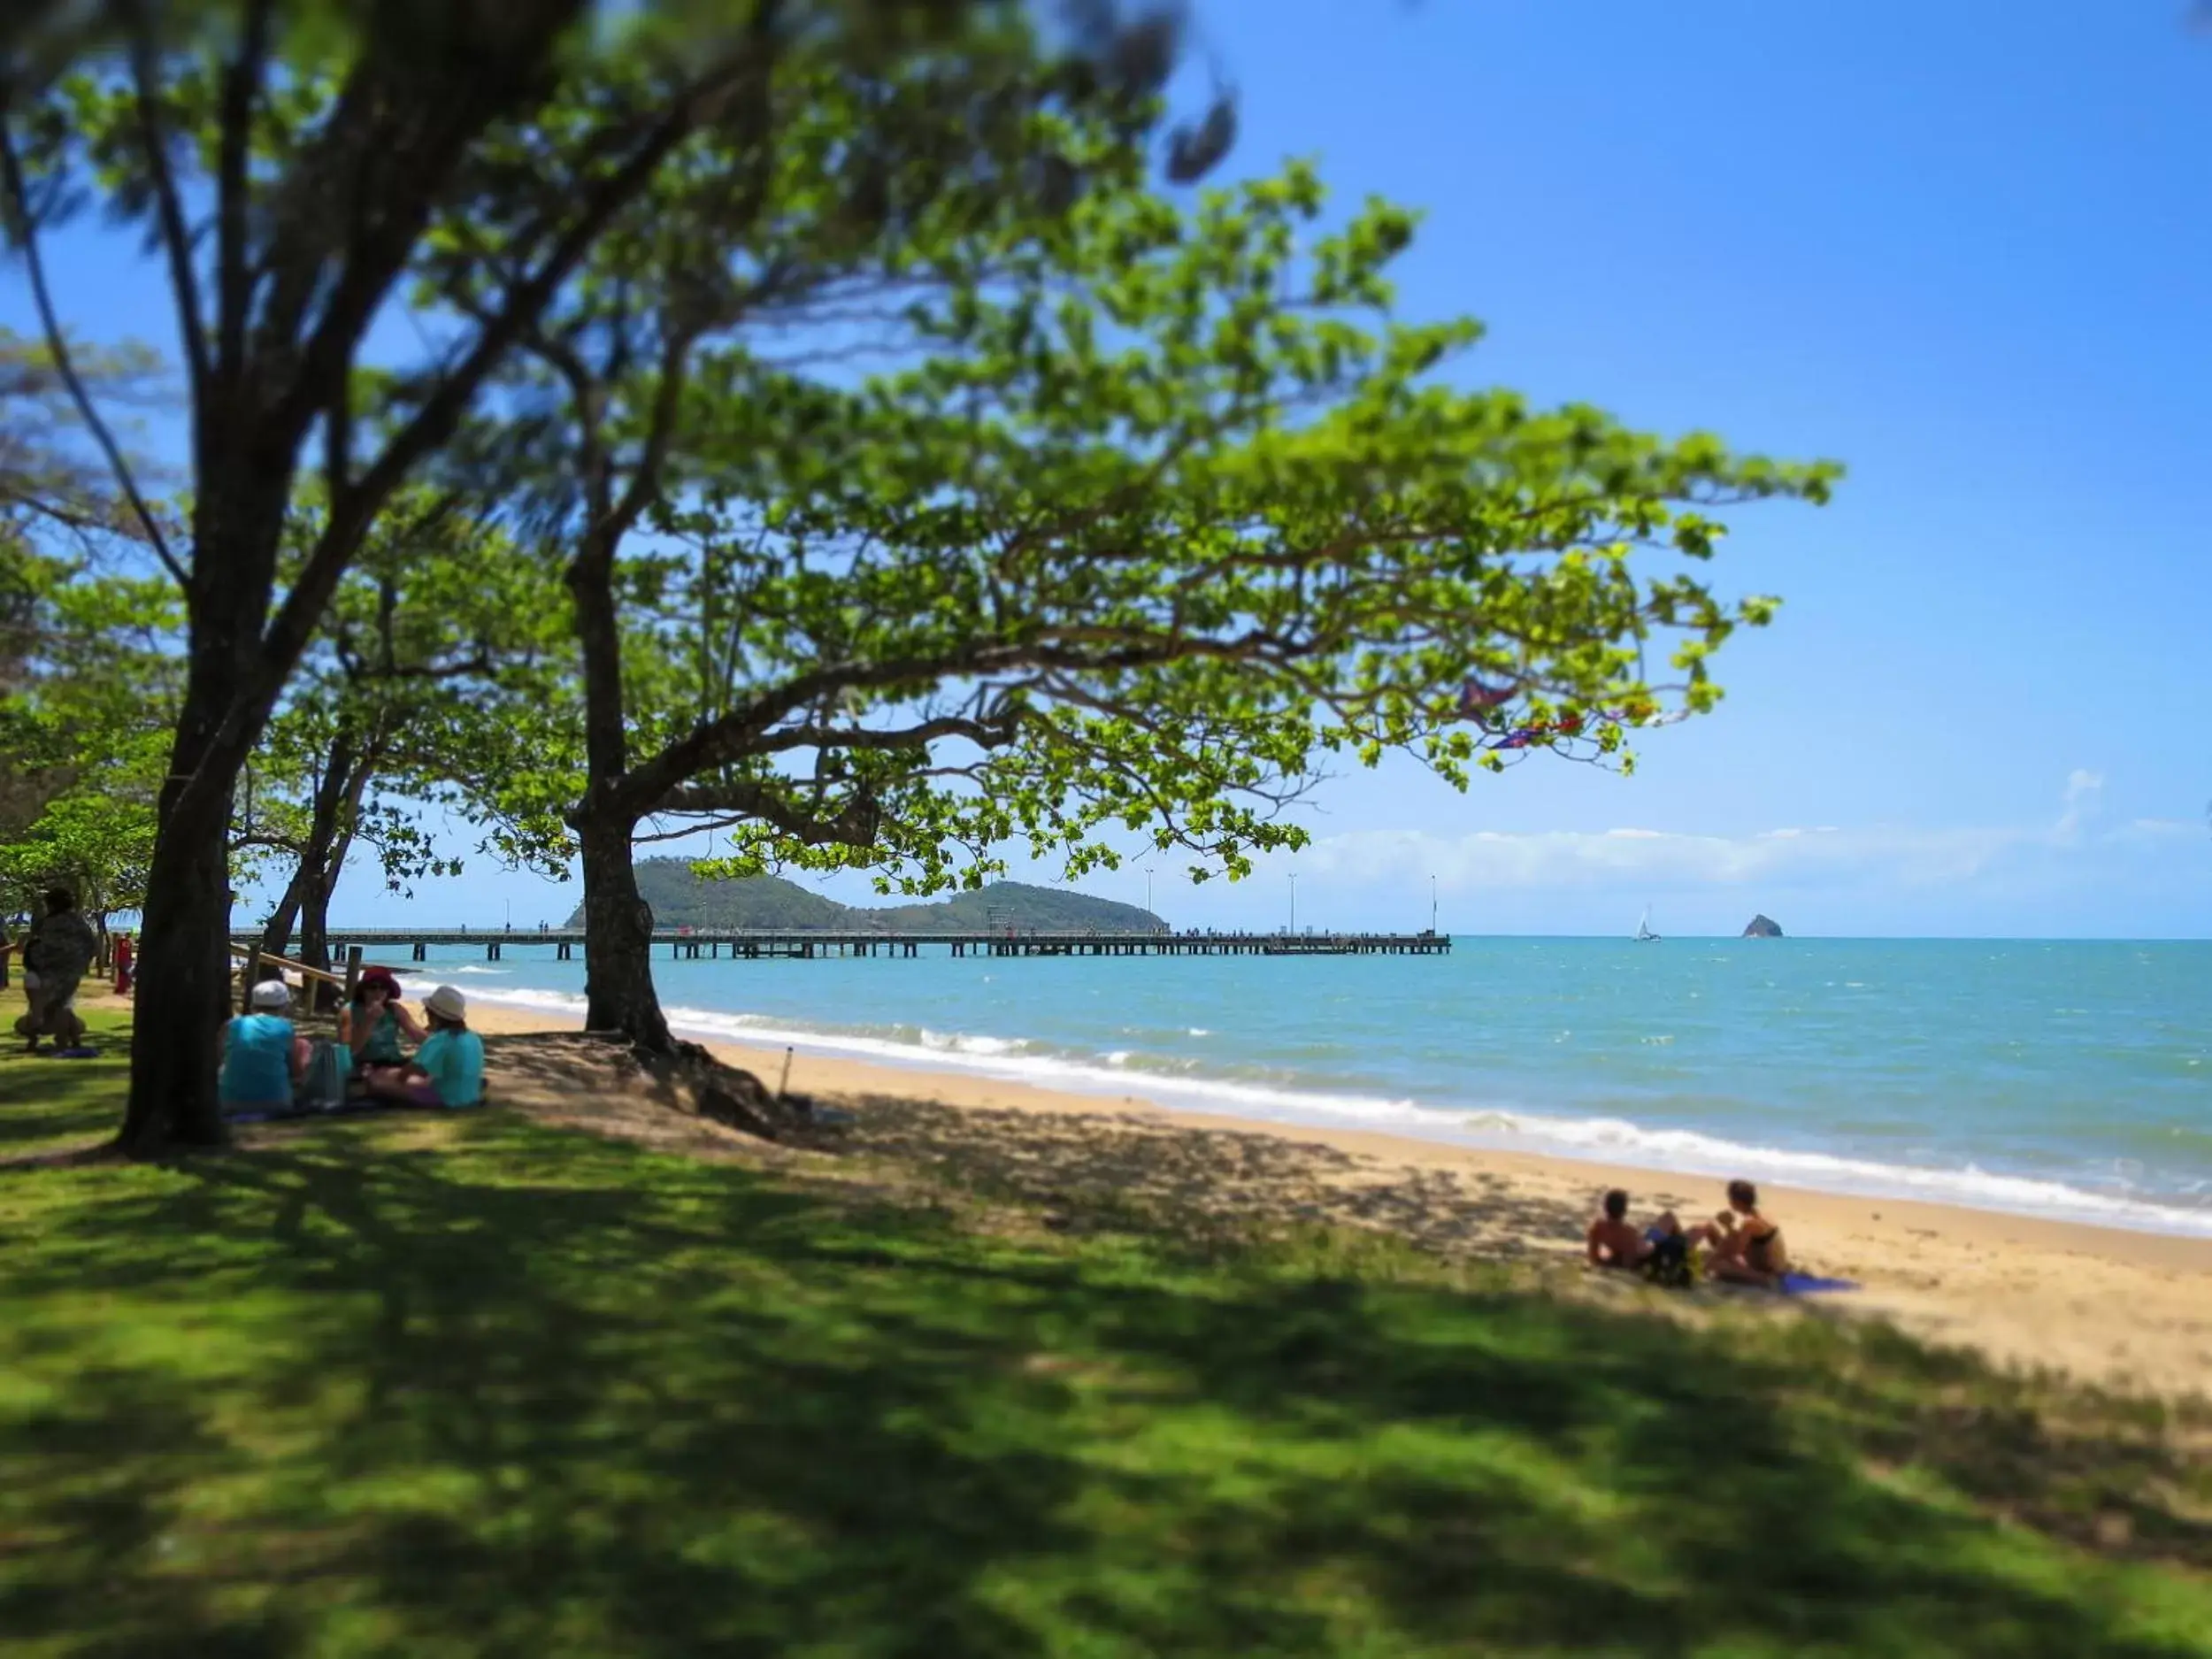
{"x": 856, "y": 825}
{"x": 434, "y": 421}
{"x": 728, "y": 820}
{"x": 233, "y": 280}
{"x": 57, "y": 343}
{"x": 992, "y": 733}
{"x": 176, "y": 239}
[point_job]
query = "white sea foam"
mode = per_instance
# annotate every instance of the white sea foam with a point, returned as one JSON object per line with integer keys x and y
{"x": 1609, "y": 1139}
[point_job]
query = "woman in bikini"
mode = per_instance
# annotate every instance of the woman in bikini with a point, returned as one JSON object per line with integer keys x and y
{"x": 1742, "y": 1246}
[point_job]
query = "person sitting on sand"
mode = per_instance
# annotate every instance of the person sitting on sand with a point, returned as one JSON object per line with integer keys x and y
{"x": 1742, "y": 1246}
{"x": 264, "y": 1058}
{"x": 1660, "y": 1252}
{"x": 448, "y": 1070}
{"x": 373, "y": 1023}
{"x": 1613, "y": 1241}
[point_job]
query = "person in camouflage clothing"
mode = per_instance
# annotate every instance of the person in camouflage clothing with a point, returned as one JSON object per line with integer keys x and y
{"x": 57, "y": 952}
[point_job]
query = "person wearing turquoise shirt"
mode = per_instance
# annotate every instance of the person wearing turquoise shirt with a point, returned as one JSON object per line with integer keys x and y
{"x": 448, "y": 1070}
{"x": 264, "y": 1058}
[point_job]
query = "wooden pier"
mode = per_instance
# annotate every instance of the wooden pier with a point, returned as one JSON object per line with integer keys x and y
{"x": 765, "y": 944}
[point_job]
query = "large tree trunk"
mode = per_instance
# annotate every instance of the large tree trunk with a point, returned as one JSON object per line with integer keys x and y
{"x": 618, "y": 936}
{"x": 184, "y": 972}
{"x": 618, "y": 924}
{"x": 231, "y": 683}
{"x": 338, "y": 788}
{"x": 315, "y": 918}
{"x": 276, "y": 932}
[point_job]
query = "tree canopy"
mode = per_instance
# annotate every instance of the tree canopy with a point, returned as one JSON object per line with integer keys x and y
{"x": 1141, "y": 516}
{"x": 286, "y": 161}
{"x": 834, "y": 425}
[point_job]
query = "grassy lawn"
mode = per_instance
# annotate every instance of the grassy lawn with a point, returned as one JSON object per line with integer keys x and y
{"x": 474, "y": 1386}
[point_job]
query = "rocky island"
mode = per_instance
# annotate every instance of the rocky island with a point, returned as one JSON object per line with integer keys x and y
{"x": 1762, "y": 927}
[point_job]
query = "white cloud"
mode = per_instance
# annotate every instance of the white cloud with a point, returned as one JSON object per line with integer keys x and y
{"x": 1901, "y": 854}
{"x": 2084, "y": 799}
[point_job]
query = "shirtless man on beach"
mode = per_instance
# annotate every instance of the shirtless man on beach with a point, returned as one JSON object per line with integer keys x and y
{"x": 1613, "y": 1239}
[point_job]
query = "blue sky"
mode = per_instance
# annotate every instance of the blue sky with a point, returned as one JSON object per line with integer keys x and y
{"x": 1967, "y": 250}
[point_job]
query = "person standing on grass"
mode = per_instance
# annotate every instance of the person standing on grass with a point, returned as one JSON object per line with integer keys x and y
{"x": 57, "y": 952}
{"x": 448, "y": 1070}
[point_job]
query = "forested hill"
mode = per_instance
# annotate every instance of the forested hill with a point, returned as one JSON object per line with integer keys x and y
{"x": 680, "y": 900}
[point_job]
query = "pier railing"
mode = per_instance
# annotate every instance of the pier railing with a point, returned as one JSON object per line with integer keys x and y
{"x": 760, "y": 944}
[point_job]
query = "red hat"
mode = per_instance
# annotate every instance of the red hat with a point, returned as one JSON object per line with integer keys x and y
{"x": 383, "y": 977}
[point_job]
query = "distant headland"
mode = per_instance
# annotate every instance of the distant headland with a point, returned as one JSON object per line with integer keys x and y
{"x": 679, "y": 899}
{"x": 1762, "y": 927}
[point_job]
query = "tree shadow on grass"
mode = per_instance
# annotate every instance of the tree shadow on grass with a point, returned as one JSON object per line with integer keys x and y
{"x": 47, "y": 1104}
{"x": 540, "y": 1394}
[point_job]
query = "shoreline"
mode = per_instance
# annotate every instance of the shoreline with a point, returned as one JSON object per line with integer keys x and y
{"x": 2108, "y": 1304}
{"x": 1709, "y": 1159}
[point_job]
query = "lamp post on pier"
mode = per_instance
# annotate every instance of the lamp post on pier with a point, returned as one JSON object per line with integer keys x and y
{"x": 1294, "y": 901}
{"x": 1431, "y": 903}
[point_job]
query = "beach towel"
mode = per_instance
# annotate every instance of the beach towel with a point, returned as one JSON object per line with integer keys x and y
{"x": 1812, "y": 1285}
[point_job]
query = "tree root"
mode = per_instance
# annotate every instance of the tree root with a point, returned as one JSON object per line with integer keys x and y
{"x": 730, "y": 1096}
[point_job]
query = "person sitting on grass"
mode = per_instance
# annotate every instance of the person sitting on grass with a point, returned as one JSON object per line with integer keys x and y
{"x": 264, "y": 1058}
{"x": 1742, "y": 1246}
{"x": 447, "y": 1070}
{"x": 373, "y": 1023}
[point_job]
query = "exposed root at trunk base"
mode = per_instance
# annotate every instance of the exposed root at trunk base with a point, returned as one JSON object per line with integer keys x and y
{"x": 607, "y": 1073}
{"x": 732, "y": 1097}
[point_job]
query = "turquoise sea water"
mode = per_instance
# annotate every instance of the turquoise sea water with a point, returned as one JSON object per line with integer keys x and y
{"x": 2062, "y": 1079}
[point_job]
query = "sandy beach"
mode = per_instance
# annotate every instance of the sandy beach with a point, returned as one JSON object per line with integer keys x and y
{"x": 2109, "y": 1306}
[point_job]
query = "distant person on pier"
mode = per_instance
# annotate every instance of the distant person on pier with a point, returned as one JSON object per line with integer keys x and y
{"x": 374, "y": 1023}
{"x": 57, "y": 952}
{"x": 448, "y": 1070}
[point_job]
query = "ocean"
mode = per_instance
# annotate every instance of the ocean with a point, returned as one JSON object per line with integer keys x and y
{"x": 2068, "y": 1079}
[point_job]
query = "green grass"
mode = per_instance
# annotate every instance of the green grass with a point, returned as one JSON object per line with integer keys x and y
{"x": 472, "y": 1387}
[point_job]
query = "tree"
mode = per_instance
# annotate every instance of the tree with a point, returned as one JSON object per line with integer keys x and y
{"x": 88, "y": 694}
{"x": 86, "y": 677}
{"x": 287, "y": 159}
{"x": 1163, "y": 513}
{"x": 442, "y": 636}
{"x": 883, "y": 188}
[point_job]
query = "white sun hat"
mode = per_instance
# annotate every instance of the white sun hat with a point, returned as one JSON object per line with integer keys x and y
{"x": 273, "y": 994}
{"x": 447, "y": 1003}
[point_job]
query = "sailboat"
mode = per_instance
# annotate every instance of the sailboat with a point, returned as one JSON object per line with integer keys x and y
{"x": 1644, "y": 935}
